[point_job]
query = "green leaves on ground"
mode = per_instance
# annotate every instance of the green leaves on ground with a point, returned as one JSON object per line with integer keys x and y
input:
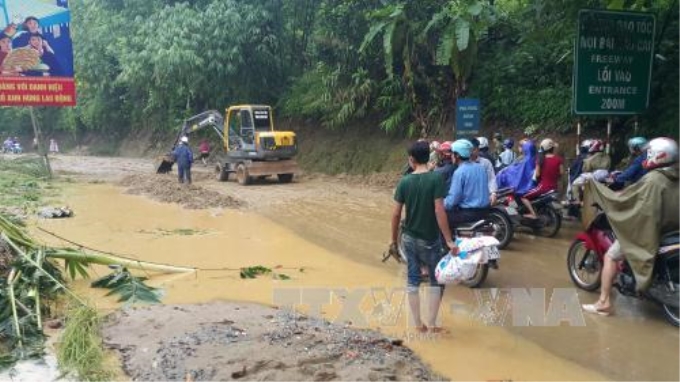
{"x": 253, "y": 272}
{"x": 131, "y": 289}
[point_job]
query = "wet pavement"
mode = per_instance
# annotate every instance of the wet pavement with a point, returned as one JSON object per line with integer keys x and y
{"x": 337, "y": 233}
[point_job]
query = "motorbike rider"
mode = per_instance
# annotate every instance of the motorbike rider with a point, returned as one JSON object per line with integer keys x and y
{"x": 498, "y": 145}
{"x": 484, "y": 149}
{"x": 468, "y": 197}
{"x": 639, "y": 216}
{"x": 635, "y": 171}
{"x": 518, "y": 175}
{"x": 576, "y": 168}
{"x": 597, "y": 159}
{"x": 548, "y": 171}
{"x": 434, "y": 155}
{"x": 507, "y": 157}
{"x": 488, "y": 167}
{"x": 446, "y": 166}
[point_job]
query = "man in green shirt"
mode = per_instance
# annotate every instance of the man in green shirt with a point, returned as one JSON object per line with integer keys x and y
{"x": 422, "y": 194}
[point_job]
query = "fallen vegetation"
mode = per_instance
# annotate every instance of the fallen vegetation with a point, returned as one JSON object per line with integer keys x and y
{"x": 31, "y": 280}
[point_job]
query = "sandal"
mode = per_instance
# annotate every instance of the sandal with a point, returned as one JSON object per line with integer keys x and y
{"x": 597, "y": 309}
{"x": 439, "y": 330}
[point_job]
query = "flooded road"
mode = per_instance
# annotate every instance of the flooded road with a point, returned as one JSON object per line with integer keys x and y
{"x": 336, "y": 233}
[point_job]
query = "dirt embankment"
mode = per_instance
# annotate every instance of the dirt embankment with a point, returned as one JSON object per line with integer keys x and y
{"x": 167, "y": 189}
{"x": 227, "y": 341}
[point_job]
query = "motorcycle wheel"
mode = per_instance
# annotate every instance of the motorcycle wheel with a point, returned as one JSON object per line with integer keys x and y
{"x": 479, "y": 277}
{"x": 551, "y": 221}
{"x": 587, "y": 277}
{"x": 671, "y": 313}
{"x": 502, "y": 228}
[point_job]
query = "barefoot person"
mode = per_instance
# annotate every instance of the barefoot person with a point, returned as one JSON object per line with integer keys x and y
{"x": 422, "y": 194}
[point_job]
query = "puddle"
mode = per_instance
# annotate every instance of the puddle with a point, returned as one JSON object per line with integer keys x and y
{"x": 109, "y": 220}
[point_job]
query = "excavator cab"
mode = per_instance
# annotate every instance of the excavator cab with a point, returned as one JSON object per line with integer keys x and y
{"x": 250, "y": 134}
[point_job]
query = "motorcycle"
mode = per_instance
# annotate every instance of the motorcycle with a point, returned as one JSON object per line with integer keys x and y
{"x": 586, "y": 255}
{"x": 478, "y": 228}
{"x": 546, "y": 206}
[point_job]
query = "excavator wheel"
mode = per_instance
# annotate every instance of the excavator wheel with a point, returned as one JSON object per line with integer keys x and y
{"x": 221, "y": 173}
{"x": 242, "y": 175}
{"x": 285, "y": 178}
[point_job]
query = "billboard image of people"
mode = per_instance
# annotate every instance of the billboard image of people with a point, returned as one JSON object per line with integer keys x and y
{"x": 36, "y": 53}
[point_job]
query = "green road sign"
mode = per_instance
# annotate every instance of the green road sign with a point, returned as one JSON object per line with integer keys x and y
{"x": 613, "y": 63}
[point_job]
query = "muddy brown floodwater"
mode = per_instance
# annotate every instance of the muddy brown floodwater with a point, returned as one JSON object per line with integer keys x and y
{"x": 337, "y": 232}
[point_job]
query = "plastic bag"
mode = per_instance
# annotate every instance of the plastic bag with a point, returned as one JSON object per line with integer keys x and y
{"x": 472, "y": 252}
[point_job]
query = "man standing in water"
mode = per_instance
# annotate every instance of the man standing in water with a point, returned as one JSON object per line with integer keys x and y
{"x": 422, "y": 193}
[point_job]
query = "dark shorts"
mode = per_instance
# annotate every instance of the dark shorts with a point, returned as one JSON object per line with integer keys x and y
{"x": 205, "y": 155}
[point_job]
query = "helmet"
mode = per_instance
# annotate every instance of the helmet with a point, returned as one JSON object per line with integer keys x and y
{"x": 586, "y": 144}
{"x": 596, "y": 145}
{"x": 434, "y": 145}
{"x": 445, "y": 149}
{"x": 661, "y": 151}
{"x": 463, "y": 148}
{"x": 483, "y": 143}
{"x": 508, "y": 143}
{"x": 547, "y": 144}
{"x": 497, "y": 136}
{"x": 636, "y": 144}
{"x": 184, "y": 139}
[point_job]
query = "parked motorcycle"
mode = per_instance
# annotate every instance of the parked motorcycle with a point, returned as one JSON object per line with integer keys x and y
{"x": 547, "y": 208}
{"x": 586, "y": 256}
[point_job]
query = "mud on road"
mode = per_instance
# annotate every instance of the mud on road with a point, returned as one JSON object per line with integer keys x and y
{"x": 232, "y": 341}
{"x": 349, "y": 217}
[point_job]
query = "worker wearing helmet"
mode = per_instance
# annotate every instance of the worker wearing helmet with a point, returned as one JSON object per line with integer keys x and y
{"x": 639, "y": 216}
{"x": 597, "y": 159}
{"x": 548, "y": 171}
{"x": 635, "y": 171}
{"x": 184, "y": 158}
{"x": 446, "y": 166}
{"x": 468, "y": 197}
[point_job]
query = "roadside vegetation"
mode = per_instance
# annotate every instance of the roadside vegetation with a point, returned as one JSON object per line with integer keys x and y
{"x": 341, "y": 63}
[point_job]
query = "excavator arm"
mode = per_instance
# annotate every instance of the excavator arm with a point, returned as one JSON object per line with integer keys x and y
{"x": 207, "y": 119}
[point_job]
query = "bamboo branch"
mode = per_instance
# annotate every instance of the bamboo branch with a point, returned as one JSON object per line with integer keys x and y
{"x": 103, "y": 259}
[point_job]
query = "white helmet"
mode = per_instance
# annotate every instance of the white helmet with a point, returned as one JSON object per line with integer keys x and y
{"x": 483, "y": 143}
{"x": 547, "y": 144}
{"x": 660, "y": 152}
{"x": 184, "y": 139}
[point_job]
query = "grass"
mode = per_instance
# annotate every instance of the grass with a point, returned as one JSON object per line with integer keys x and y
{"x": 80, "y": 350}
{"x": 23, "y": 183}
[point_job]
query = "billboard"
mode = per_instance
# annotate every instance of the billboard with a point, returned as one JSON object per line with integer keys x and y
{"x": 36, "y": 53}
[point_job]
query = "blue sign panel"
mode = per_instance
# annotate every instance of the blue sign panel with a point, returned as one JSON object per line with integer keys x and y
{"x": 467, "y": 116}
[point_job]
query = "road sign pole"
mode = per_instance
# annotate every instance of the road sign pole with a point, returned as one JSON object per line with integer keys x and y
{"x": 609, "y": 134}
{"x": 578, "y": 136}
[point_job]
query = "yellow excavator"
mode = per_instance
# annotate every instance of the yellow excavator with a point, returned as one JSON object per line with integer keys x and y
{"x": 252, "y": 148}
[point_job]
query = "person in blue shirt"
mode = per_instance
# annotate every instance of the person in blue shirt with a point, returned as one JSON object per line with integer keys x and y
{"x": 184, "y": 158}
{"x": 635, "y": 171}
{"x": 468, "y": 198}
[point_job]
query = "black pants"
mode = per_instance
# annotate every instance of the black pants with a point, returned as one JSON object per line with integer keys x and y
{"x": 184, "y": 173}
{"x": 459, "y": 216}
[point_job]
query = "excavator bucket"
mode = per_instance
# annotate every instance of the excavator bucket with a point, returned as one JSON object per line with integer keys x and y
{"x": 165, "y": 165}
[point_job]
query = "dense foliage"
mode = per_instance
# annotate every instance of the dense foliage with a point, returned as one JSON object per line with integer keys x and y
{"x": 148, "y": 64}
